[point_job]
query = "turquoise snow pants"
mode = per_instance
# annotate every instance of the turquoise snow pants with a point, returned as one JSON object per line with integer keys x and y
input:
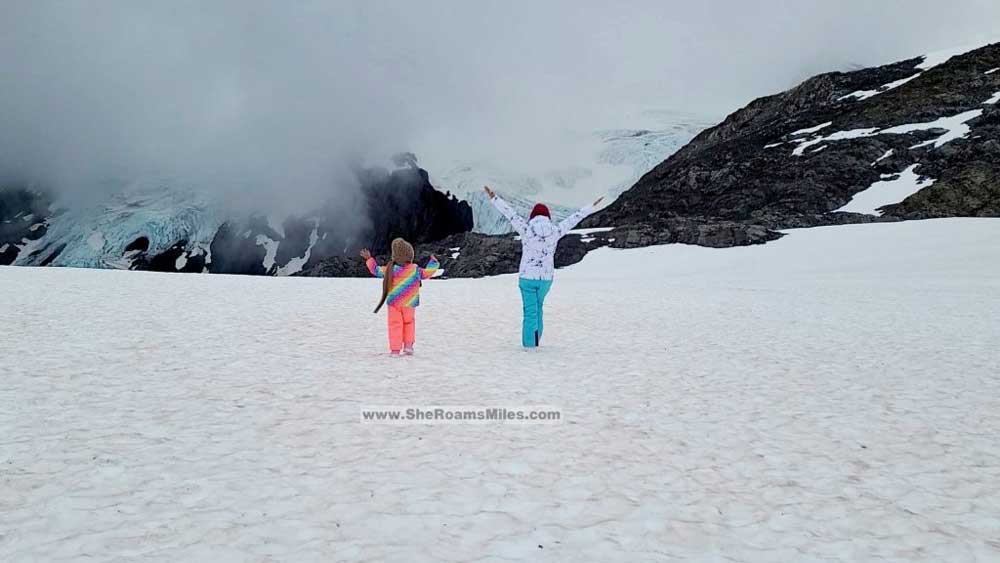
{"x": 532, "y": 297}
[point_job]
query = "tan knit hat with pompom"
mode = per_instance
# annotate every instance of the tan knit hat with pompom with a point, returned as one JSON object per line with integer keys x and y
{"x": 402, "y": 251}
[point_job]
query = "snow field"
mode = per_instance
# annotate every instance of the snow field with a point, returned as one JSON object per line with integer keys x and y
{"x": 832, "y": 394}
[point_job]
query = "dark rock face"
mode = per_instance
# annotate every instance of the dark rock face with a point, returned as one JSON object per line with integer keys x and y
{"x": 400, "y": 203}
{"x": 295, "y": 242}
{"x": 388, "y": 204}
{"x": 744, "y": 169}
{"x": 478, "y": 255}
{"x": 236, "y": 254}
{"x": 19, "y": 202}
{"x": 473, "y": 255}
{"x": 8, "y": 255}
{"x": 968, "y": 177}
{"x": 24, "y": 215}
{"x": 403, "y": 203}
{"x": 52, "y": 255}
{"x": 339, "y": 267}
{"x": 175, "y": 259}
{"x": 140, "y": 244}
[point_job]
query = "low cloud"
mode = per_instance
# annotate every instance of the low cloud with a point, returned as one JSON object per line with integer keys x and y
{"x": 272, "y": 101}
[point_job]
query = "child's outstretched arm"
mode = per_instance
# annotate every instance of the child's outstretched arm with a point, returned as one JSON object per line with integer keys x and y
{"x": 516, "y": 221}
{"x": 373, "y": 267}
{"x": 567, "y": 224}
{"x": 432, "y": 267}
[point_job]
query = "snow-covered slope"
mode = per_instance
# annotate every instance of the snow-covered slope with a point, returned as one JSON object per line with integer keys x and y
{"x": 831, "y": 395}
{"x": 610, "y": 162}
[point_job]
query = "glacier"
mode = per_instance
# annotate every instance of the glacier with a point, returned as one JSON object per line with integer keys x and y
{"x": 616, "y": 159}
{"x": 95, "y": 234}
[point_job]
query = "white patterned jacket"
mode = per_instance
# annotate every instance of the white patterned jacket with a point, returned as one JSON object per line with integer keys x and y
{"x": 539, "y": 237}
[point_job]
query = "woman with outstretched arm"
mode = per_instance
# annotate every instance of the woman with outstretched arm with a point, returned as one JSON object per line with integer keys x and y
{"x": 539, "y": 237}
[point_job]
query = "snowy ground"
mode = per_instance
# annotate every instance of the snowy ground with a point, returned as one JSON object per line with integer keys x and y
{"x": 830, "y": 395}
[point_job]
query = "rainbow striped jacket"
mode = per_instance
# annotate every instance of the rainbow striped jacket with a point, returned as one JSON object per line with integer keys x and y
{"x": 405, "y": 290}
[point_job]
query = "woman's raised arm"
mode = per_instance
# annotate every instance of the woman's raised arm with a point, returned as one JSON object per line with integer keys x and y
{"x": 516, "y": 221}
{"x": 567, "y": 224}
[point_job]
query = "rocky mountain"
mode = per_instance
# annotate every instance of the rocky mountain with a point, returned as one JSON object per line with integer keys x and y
{"x": 156, "y": 226}
{"x": 914, "y": 139}
{"x": 909, "y": 140}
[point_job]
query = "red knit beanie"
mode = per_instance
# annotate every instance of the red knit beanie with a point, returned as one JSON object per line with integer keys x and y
{"x": 539, "y": 209}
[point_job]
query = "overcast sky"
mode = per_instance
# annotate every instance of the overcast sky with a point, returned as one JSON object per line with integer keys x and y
{"x": 270, "y": 94}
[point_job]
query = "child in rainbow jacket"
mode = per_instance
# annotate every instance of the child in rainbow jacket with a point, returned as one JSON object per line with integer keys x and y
{"x": 401, "y": 289}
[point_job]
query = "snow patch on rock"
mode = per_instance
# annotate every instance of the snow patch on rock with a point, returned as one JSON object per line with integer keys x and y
{"x": 295, "y": 265}
{"x": 810, "y": 130}
{"x": 955, "y": 127}
{"x": 893, "y": 188}
{"x": 838, "y": 136}
{"x": 270, "y": 249}
{"x": 590, "y": 231}
{"x": 936, "y": 58}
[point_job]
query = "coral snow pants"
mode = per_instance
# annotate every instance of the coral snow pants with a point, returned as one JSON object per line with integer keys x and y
{"x": 402, "y": 327}
{"x": 532, "y": 298}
